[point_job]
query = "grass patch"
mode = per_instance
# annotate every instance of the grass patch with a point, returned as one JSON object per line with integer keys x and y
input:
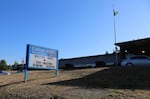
{"x": 81, "y": 84}
{"x": 116, "y": 78}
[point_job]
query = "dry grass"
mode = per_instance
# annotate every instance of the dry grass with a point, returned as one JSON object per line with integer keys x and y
{"x": 91, "y": 83}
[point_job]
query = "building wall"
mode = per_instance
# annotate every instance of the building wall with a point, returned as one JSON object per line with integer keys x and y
{"x": 89, "y": 61}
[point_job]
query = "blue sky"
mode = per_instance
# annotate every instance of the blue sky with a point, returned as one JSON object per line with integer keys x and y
{"x": 74, "y": 27}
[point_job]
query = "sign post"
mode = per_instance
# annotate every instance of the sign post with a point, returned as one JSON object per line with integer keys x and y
{"x": 25, "y": 75}
{"x": 40, "y": 58}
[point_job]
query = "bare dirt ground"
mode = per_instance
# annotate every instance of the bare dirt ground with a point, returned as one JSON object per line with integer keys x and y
{"x": 90, "y": 83}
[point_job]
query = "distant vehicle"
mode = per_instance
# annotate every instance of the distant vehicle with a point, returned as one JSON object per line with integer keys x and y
{"x": 4, "y": 73}
{"x": 139, "y": 60}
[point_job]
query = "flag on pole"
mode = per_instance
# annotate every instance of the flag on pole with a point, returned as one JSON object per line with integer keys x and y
{"x": 115, "y": 12}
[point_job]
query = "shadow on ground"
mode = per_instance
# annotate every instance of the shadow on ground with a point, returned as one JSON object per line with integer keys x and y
{"x": 20, "y": 82}
{"x": 114, "y": 77}
{"x": 11, "y": 84}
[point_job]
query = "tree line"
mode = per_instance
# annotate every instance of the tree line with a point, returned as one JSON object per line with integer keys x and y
{"x": 15, "y": 66}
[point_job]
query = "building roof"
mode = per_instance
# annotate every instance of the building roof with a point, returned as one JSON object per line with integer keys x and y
{"x": 92, "y": 56}
{"x": 135, "y": 43}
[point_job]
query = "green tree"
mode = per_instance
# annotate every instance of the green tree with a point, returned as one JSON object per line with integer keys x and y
{"x": 3, "y": 65}
{"x": 16, "y": 63}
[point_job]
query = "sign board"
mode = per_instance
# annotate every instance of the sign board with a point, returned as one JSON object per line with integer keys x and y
{"x": 41, "y": 58}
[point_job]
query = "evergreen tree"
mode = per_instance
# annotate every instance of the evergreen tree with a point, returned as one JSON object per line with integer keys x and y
{"x": 3, "y": 65}
{"x": 16, "y": 63}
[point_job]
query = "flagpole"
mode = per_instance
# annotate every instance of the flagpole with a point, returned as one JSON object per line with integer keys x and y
{"x": 114, "y": 28}
{"x": 115, "y": 36}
